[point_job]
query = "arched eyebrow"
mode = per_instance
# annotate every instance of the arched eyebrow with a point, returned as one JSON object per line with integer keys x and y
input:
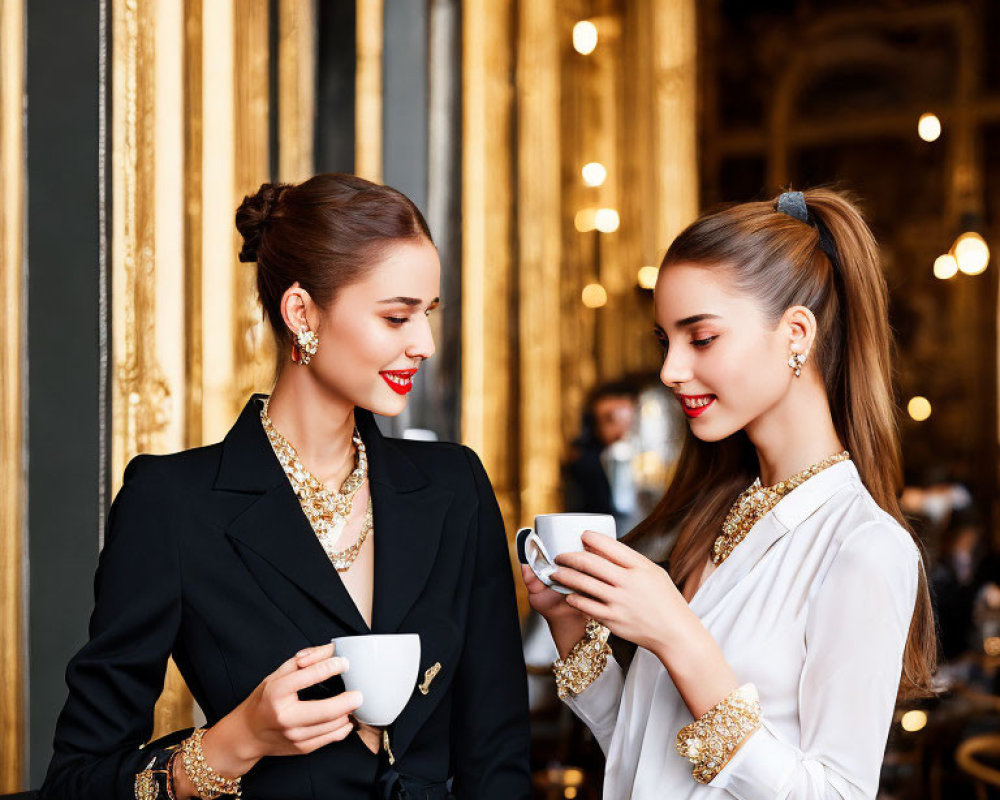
{"x": 696, "y": 318}
{"x": 412, "y": 302}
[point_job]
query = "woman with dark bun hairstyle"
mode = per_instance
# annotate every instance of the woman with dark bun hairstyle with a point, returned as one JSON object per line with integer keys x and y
{"x": 794, "y": 607}
{"x": 244, "y": 559}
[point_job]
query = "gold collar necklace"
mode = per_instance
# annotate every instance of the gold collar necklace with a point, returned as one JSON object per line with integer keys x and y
{"x": 326, "y": 511}
{"x": 756, "y": 500}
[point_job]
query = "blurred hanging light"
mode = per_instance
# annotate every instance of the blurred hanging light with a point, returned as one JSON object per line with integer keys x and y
{"x": 585, "y": 220}
{"x": 594, "y": 173}
{"x": 971, "y": 252}
{"x": 584, "y": 37}
{"x": 913, "y": 720}
{"x": 991, "y": 645}
{"x": 945, "y": 267}
{"x": 929, "y": 127}
{"x": 919, "y": 408}
{"x": 606, "y": 220}
{"x": 594, "y": 295}
{"x": 647, "y": 277}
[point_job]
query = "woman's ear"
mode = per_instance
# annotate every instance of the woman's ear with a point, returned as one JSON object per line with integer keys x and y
{"x": 297, "y": 309}
{"x": 800, "y": 323}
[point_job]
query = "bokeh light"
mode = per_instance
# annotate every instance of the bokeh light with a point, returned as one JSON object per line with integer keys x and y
{"x": 584, "y": 37}
{"x": 929, "y": 127}
{"x": 606, "y": 220}
{"x": 919, "y": 408}
{"x": 594, "y": 173}
{"x": 594, "y": 295}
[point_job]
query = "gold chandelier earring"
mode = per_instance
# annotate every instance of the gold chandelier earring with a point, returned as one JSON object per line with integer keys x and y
{"x": 304, "y": 347}
{"x": 796, "y": 361}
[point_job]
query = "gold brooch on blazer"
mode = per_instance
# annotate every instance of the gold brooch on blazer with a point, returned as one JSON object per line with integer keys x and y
{"x": 429, "y": 675}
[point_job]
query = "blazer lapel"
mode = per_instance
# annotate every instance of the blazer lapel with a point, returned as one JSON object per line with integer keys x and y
{"x": 408, "y": 514}
{"x": 274, "y": 527}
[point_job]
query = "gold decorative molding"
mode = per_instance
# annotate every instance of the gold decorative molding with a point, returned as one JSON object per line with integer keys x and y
{"x": 140, "y": 391}
{"x": 194, "y": 138}
{"x": 539, "y": 251}
{"x": 368, "y": 90}
{"x": 254, "y": 348}
{"x": 296, "y": 89}
{"x": 675, "y": 78}
{"x": 13, "y": 647}
{"x": 488, "y": 325}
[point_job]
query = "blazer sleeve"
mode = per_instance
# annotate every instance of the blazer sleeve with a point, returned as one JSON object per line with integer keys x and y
{"x": 855, "y": 635}
{"x": 116, "y": 678}
{"x": 490, "y": 730}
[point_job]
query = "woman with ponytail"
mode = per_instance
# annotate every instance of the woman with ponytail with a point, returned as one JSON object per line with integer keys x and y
{"x": 794, "y": 608}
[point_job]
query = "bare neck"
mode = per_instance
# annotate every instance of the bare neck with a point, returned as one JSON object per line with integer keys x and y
{"x": 796, "y": 433}
{"x": 317, "y": 423}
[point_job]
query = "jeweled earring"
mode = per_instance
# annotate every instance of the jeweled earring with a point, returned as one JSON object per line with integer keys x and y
{"x": 304, "y": 347}
{"x": 796, "y": 361}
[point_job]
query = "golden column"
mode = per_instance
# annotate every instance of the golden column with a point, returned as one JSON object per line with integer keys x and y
{"x": 489, "y": 405}
{"x": 296, "y": 89}
{"x": 539, "y": 254}
{"x": 368, "y": 90}
{"x": 12, "y": 462}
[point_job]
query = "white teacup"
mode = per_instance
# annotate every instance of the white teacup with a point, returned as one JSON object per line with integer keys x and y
{"x": 383, "y": 667}
{"x": 555, "y": 534}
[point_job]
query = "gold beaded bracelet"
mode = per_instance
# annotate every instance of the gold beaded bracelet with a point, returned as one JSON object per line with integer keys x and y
{"x": 584, "y": 663}
{"x": 208, "y": 783}
{"x": 712, "y": 739}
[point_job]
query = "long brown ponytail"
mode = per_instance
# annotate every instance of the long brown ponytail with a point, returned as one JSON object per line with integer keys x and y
{"x": 778, "y": 259}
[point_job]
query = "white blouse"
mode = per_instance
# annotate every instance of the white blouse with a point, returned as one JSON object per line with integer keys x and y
{"x": 813, "y": 607}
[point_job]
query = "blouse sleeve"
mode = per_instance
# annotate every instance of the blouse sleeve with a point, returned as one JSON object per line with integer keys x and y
{"x": 116, "y": 677}
{"x": 597, "y": 705}
{"x": 855, "y": 635}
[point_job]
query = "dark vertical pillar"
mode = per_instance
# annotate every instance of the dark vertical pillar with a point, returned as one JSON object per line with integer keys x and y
{"x": 404, "y": 99}
{"x": 336, "y": 68}
{"x": 65, "y": 392}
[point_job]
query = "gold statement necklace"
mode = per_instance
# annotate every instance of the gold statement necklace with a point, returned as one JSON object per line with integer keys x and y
{"x": 756, "y": 501}
{"x": 326, "y": 511}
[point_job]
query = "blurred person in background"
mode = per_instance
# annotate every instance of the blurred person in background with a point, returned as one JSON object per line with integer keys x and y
{"x": 597, "y": 476}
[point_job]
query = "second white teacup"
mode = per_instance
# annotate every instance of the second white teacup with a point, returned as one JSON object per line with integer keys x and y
{"x": 383, "y": 667}
{"x": 555, "y": 534}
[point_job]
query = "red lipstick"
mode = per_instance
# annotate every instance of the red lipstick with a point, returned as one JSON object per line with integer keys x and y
{"x": 399, "y": 380}
{"x": 695, "y": 405}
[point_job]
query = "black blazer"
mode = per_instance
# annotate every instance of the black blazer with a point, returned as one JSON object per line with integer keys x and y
{"x": 209, "y": 558}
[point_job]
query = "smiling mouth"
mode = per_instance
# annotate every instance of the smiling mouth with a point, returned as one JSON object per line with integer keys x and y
{"x": 695, "y": 405}
{"x": 399, "y": 380}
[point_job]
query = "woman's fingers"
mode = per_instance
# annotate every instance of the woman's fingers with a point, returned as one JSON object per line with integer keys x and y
{"x": 311, "y": 655}
{"x": 303, "y": 733}
{"x": 611, "y": 549}
{"x": 531, "y": 581}
{"x": 592, "y": 564}
{"x": 581, "y": 582}
{"x": 588, "y": 606}
{"x": 316, "y": 743}
{"x": 311, "y": 675}
{"x": 319, "y": 712}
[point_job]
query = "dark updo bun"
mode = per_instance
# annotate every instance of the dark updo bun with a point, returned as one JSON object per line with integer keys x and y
{"x": 324, "y": 233}
{"x": 253, "y": 215}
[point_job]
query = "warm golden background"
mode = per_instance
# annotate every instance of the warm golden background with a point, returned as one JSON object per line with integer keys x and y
{"x": 684, "y": 104}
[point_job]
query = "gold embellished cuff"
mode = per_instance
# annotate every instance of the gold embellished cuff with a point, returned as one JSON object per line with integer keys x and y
{"x": 584, "y": 663}
{"x": 712, "y": 739}
{"x": 156, "y": 781}
{"x": 208, "y": 783}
